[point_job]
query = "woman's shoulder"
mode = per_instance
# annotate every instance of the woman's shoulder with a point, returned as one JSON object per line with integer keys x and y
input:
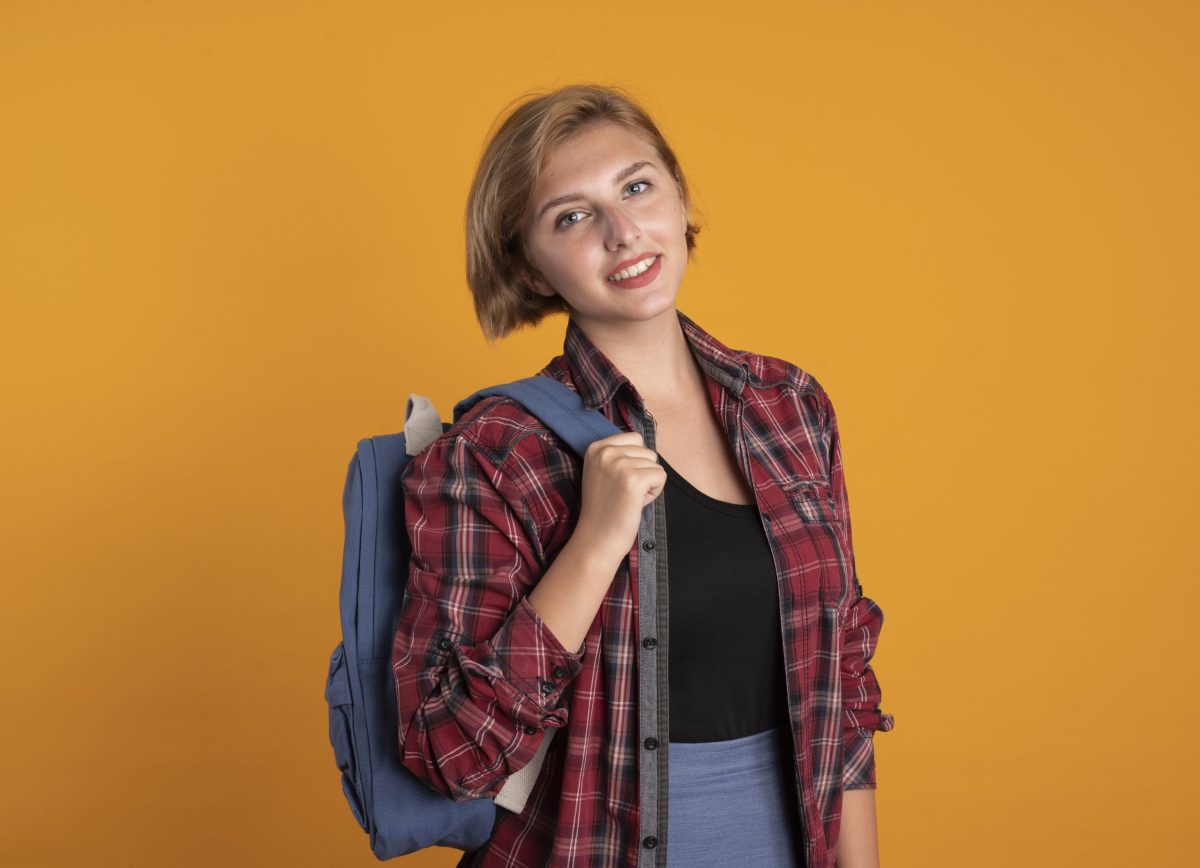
{"x": 500, "y": 427}
{"x": 773, "y": 372}
{"x": 498, "y": 451}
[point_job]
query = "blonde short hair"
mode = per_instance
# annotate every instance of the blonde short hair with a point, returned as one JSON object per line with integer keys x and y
{"x": 512, "y": 161}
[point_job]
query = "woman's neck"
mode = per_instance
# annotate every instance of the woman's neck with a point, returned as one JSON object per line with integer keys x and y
{"x": 654, "y": 355}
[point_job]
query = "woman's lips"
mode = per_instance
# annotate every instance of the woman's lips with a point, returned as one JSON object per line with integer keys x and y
{"x": 642, "y": 279}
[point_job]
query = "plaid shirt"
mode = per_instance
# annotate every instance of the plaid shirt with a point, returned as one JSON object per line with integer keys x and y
{"x": 480, "y": 678}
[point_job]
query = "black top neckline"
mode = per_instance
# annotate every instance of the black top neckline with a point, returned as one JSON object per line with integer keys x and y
{"x": 681, "y": 484}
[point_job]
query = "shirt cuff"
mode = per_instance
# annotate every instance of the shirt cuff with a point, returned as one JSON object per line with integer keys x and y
{"x": 535, "y": 667}
{"x": 858, "y": 760}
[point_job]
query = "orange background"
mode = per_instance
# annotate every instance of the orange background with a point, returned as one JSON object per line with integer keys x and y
{"x": 231, "y": 244}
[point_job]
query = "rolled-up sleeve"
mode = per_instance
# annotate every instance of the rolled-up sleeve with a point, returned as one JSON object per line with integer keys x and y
{"x": 479, "y": 676}
{"x": 862, "y": 716}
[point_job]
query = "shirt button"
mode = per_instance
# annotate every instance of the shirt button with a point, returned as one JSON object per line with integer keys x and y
{"x": 530, "y": 730}
{"x": 766, "y": 516}
{"x": 547, "y": 687}
{"x": 649, "y": 842}
{"x": 648, "y": 545}
{"x": 444, "y": 644}
{"x": 651, "y": 743}
{"x": 649, "y": 642}
{"x": 560, "y": 671}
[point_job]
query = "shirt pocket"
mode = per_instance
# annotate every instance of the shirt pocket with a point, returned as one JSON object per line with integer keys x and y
{"x": 813, "y": 500}
{"x": 823, "y": 526}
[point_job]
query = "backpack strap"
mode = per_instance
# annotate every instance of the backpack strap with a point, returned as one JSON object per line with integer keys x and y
{"x": 558, "y": 406}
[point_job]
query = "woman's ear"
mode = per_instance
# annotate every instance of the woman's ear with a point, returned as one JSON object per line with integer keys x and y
{"x": 526, "y": 271}
{"x": 531, "y": 278}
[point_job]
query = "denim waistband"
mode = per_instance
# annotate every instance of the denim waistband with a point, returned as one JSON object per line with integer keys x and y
{"x": 705, "y": 760}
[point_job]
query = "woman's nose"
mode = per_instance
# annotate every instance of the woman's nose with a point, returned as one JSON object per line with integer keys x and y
{"x": 621, "y": 229}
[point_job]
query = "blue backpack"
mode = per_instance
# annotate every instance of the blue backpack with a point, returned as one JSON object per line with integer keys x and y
{"x": 399, "y": 811}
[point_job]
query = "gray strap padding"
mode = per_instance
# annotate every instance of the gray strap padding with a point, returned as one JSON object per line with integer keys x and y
{"x": 422, "y": 425}
{"x": 515, "y": 792}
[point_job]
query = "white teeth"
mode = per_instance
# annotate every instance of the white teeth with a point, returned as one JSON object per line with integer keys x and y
{"x": 634, "y": 270}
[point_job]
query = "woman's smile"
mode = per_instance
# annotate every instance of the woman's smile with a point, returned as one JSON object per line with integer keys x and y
{"x": 639, "y": 274}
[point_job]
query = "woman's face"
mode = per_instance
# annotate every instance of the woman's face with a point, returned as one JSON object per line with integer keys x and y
{"x": 603, "y": 204}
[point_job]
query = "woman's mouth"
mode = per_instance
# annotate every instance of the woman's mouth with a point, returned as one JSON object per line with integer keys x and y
{"x": 638, "y": 274}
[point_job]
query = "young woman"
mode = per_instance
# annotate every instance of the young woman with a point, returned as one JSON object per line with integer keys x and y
{"x": 717, "y": 711}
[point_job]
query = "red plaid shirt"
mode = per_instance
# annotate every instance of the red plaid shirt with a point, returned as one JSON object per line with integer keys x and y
{"x": 480, "y": 678}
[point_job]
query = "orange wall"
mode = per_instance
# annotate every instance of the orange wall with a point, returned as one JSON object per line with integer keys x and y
{"x": 231, "y": 240}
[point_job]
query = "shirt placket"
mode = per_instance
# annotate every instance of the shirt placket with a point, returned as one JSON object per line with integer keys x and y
{"x": 653, "y": 708}
{"x": 795, "y": 729}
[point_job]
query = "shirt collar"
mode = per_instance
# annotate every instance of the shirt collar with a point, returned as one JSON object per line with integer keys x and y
{"x": 597, "y": 379}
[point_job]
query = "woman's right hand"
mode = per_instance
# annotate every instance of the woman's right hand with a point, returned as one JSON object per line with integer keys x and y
{"x": 620, "y": 477}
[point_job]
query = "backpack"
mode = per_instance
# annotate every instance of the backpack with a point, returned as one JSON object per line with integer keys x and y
{"x": 399, "y": 811}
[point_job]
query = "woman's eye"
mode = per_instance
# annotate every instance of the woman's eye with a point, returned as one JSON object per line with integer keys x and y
{"x": 563, "y": 222}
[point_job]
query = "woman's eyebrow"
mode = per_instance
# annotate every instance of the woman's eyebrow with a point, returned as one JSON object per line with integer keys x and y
{"x": 617, "y": 178}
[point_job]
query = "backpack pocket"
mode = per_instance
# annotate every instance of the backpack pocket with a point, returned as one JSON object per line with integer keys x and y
{"x": 341, "y": 731}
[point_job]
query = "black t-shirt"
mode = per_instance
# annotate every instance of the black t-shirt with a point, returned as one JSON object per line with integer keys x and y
{"x": 726, "y": 641}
